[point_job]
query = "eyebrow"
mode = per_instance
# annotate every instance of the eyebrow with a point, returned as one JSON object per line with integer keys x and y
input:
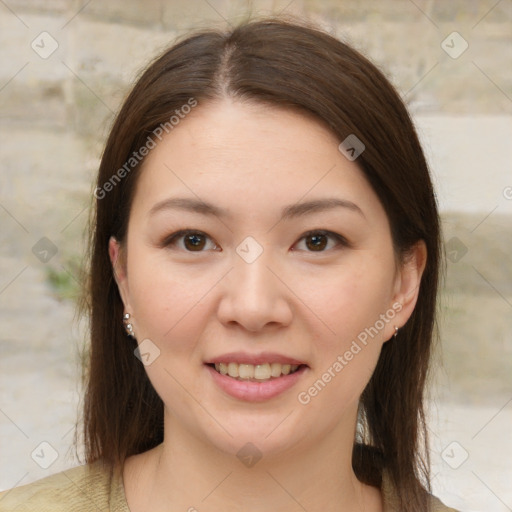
{"x": 289, "y": 212}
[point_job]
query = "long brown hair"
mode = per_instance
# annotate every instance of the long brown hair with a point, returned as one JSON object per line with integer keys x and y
{"x": 293, "y": 66}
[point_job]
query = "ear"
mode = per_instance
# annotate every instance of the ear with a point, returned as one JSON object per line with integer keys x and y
{"x": 407, "y": 284}
{"x": 118, "y": 260}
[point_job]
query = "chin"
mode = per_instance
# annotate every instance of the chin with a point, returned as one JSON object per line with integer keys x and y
{"x": 258, "y": 435}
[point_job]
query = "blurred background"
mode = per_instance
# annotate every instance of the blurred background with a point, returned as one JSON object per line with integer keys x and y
{"x": 65, "y": 67}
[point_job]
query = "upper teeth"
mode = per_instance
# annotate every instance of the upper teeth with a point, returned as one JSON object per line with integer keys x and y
{"x": 255, "y": 371}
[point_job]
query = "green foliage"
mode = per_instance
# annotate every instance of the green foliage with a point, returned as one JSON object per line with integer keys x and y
{"x": 64, "y": 279}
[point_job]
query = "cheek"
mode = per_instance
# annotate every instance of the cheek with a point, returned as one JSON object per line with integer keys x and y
{"x": 166, "y": 302}
{"x": 351, "y": 299}
{"x": 350, "y": 303}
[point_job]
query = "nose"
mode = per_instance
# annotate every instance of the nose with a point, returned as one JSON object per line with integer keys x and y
{"x": 253, "y": 297}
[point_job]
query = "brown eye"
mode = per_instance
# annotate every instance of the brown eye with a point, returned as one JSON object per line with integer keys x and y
{"x": 320, "y": 241}
{"x": 317, "y": 242}
{"x": 190, "y": 241}
{"x": 194, "y": 242}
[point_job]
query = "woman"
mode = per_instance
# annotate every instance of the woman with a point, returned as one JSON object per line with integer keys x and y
{"x": 264, "y": 270}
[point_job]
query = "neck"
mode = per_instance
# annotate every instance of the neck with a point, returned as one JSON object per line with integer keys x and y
{"x": 187, "y": 474}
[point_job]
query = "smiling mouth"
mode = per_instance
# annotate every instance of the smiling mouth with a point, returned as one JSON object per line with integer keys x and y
{"x": 255, "y": 372}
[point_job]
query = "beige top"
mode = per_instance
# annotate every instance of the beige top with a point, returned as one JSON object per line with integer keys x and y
{"x": 93, "y": 488}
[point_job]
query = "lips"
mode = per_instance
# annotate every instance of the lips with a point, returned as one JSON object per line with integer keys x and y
{"x": 255, "y": 377}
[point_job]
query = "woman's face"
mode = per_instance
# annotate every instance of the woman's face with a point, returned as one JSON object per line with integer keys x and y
{"x": 256, "y": 248}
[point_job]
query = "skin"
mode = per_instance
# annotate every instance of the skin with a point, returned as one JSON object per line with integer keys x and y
{"x": 293, "y": 300}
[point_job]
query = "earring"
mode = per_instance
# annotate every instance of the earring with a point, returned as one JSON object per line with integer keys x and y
{"x": 128, "y": 326}
{"x": 396, "y": 332}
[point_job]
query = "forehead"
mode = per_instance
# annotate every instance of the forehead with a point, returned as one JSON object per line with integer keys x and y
{"x": 244, "y": 155}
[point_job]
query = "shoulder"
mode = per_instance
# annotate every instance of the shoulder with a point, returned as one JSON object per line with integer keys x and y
{"x": 81, "y": 489}
{"x": 437, "y": 506}
{"x": 391, "y": 501}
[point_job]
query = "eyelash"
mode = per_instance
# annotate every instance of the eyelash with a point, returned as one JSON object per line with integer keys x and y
{"x": 178, "y": 235}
